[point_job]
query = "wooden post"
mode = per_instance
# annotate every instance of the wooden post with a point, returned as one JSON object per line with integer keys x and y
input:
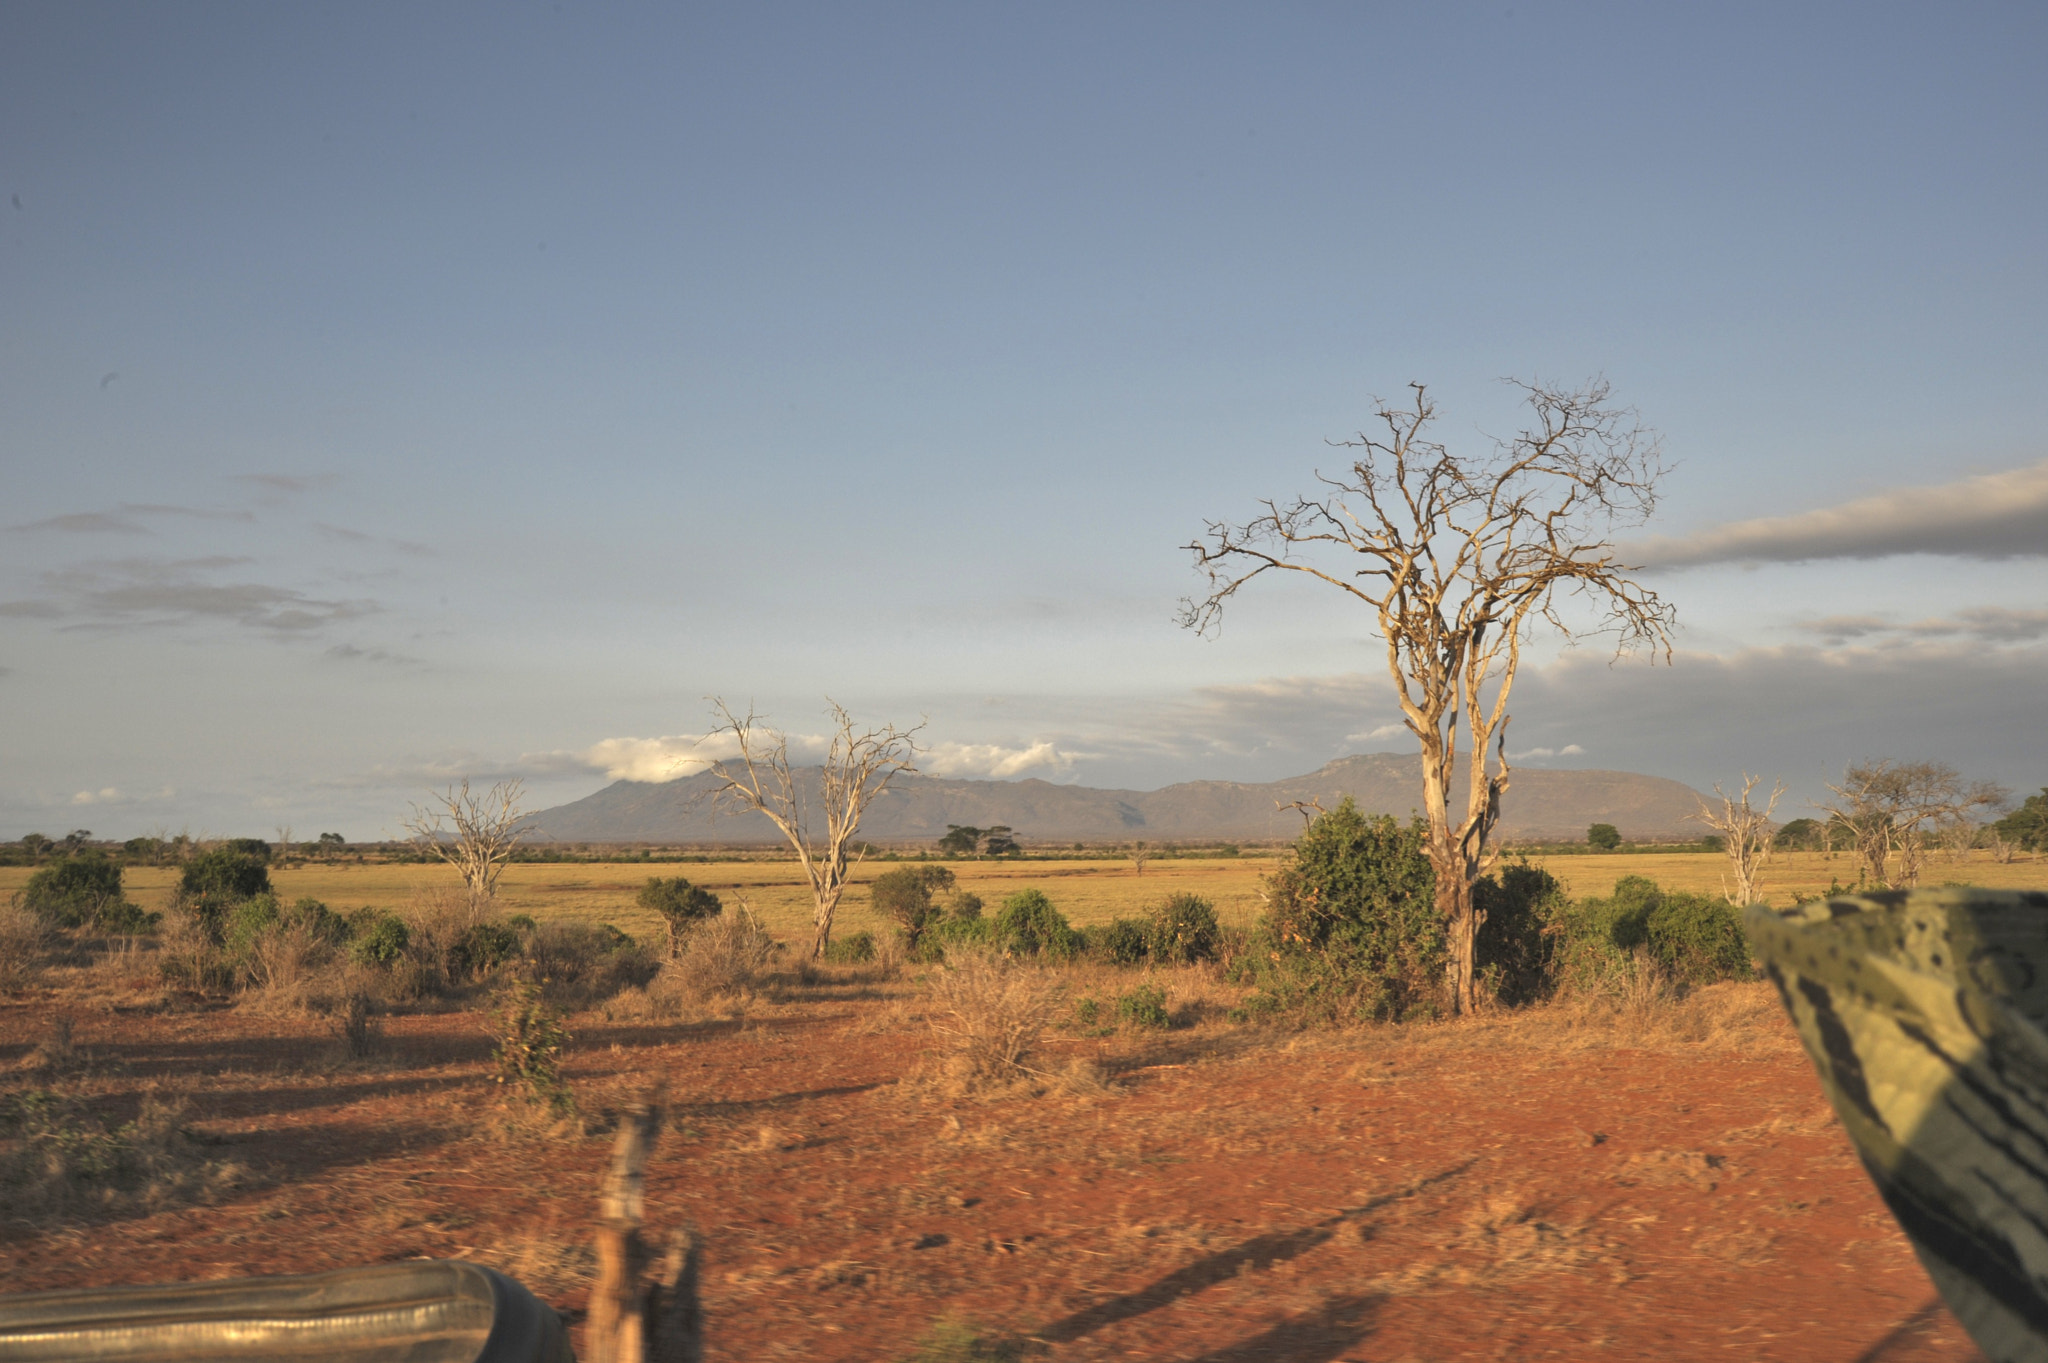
{"x": 635, "y": 1318}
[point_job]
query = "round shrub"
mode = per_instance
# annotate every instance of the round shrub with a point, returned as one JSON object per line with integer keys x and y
{"x": 481, "y": 948}
{"x": 681, "y": 905}
{"x": 1352, "y": 929}
{"x": 1144, "y": 1006}
{"x": 905, "y": 895}
{"x": 1124, "y": 941}
{"x": 72, "y": 893}
{"x": 381, "y": 941}
{"x": 224, "y": 876}
{"x": 854, "y": 948}
{"x": 243, "y": 924}
{"x": 1183, "y": 930}
{"x": 1029, "y": 925}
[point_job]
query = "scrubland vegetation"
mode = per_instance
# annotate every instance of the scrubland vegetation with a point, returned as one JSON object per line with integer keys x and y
{"x": 1083, "y": 1101}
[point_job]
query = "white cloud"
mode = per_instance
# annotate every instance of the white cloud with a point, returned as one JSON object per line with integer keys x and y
{"x": 1374, "y": 735}
{"x": 105, "y": 796}
{"x": 1989, "y": 516}
{"x": 993, "y": 761}
{"x": 1568, "y": 750}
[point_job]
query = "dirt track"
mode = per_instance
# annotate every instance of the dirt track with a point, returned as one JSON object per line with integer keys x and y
{"x": 1536, "y": 1186}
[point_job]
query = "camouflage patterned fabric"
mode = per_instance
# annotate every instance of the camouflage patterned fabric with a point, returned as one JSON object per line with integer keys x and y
{"x": 1926, "y": 1013}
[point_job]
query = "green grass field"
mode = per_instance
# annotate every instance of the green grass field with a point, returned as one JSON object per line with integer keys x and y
{"x": 1085, "y": 891}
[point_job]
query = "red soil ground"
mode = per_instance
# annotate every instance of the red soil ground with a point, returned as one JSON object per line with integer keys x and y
{"x": 1539, "y": 1186}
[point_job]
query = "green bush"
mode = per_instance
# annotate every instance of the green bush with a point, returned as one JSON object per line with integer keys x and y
{"x": 855, "y": 948}
{"x": 1144, "y": 1006}
{"x": 1352, "y": 931}
{"x": 681, "y": 905}
{"x": 942, "y": 934}
{"x": 83, "y": 890}
{"x": 246, "y": 922}
{"x": 1086, "y": 1011}
{"x": 1125, "y": 941}
{"x": 380, "y": 938}
{"x": 905, "y": 896}
{"x": 1029, "y": 925}
{"x": 223, "y": 877}
{"x": 1696, "y": 938}
{"x": 1182, "y": 931}
{"x": 1515, "y": 950}
{"x": 480, "y": 949}
{"x": 328, "y": 927}
{"x": 966, "y": 904}
{"x": 248, "y": 847}
{"x": 530, "y": 1041}
{"x": 1604, "y": 836}
{"x": 582, "y": 964}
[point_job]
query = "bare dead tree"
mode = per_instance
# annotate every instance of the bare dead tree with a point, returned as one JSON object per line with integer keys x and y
{"x": 1140, "y": 854}
{"x": 1887, "y": 809}
{"x": 858, "y": 766}
{"x": 1957, "y": 835}
{"x": 473, "y": 833}
{"x": 1460, "y": 558}
{"x": 1746, "y": 834}
{"x": 284, "y": 843}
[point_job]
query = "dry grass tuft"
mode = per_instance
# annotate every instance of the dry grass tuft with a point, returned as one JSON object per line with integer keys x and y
{"x": 987, "y": 1014}
{"x": 58, "y": 1156}
{"x": 361, "y": 1036}
{"x": 723, "y": 957}
{"x": 24, "y": 937}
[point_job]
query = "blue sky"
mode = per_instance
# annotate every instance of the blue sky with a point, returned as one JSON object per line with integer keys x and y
{"x": 390, "y": 394}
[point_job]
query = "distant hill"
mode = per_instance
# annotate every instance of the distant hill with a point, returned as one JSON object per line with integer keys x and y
{"x": 1539, "y": 804}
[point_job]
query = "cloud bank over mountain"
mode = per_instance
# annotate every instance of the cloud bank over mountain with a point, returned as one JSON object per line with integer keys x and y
{"x": 1988, "y": 516}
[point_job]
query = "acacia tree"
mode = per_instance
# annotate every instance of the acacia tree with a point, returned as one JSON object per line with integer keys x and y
{"x": 1746, "y": 835}
{"x": 473, "y": 833}
{"x": 1460, "y": 558}
{"x": 1888, "y": 808}
{"x": 858, "y": 766}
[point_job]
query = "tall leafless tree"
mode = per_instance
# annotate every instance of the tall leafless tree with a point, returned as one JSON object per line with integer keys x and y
{"x": 1887, "y": 809}
{"x": 473, "y": 833}
{"x": 1746, "y": 834}
{"x": 1461, "y": 558}
{"x": 859, "y": 765}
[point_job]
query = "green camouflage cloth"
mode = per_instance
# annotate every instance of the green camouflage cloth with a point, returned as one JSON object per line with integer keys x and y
{"x": 1924, "y": 1012}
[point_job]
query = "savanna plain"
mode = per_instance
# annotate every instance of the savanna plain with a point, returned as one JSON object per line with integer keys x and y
{"x": 1149, "y": 1172}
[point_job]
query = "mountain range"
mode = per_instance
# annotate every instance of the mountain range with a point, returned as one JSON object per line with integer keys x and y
{"x": 1538, "y": 804}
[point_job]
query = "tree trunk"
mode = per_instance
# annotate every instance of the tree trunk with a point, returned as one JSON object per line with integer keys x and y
{"x": 821, "y": 923}
{"x": 1461, "y": 933}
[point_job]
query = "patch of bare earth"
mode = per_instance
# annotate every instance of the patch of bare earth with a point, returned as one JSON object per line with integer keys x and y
{"x": 1564, "y": 1184}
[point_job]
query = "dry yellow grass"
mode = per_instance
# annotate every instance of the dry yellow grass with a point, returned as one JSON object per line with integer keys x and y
{"x": 1085, "y": 891}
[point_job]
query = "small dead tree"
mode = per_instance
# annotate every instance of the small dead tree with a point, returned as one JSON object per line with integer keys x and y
{"x": 1888, "y": 809}
{"x": 1140, "y": 854}
{"x": 1460, "y": 558}
{"x": 473, "y": 833}
{"x": 1746, "y": 834}
{"x": 859, "y": 765}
